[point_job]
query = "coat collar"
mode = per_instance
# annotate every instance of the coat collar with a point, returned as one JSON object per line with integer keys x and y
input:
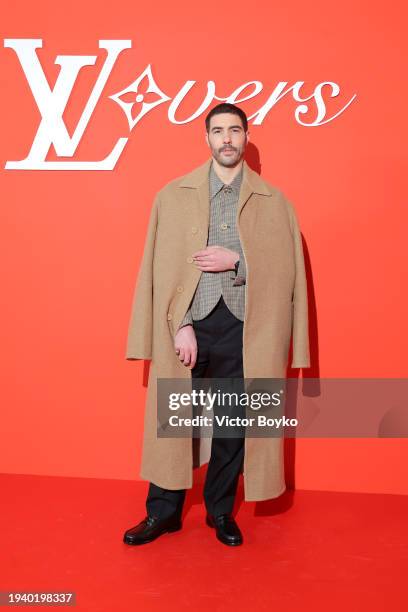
{"x": 198, "y": 180}
{"x": 251, "y": 181}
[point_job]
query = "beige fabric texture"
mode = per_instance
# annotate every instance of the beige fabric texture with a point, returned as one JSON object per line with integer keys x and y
{"x": 276, "y": 309}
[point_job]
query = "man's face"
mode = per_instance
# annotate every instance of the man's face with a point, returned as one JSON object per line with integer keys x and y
{"x": 227, "y": 139}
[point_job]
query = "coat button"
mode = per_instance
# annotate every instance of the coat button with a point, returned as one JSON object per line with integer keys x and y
{"x": 194, "y": 230}
{"x": 189, "y": 260}
{"x": 180, "y": 288}
{"x": 224, "y": 226}
{"x": 169, "y": 317}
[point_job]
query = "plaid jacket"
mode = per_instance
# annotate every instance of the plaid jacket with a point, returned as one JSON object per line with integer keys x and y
{"x": 223, "y": 231}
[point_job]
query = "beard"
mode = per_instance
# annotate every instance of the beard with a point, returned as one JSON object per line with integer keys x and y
{"x": 227, "y": 160}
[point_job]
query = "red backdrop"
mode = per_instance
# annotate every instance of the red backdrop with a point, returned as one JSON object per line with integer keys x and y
{"x": 72, "y": 240}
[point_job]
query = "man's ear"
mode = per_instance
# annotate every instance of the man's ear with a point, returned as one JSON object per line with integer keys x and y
{"x": 247, "y": 136}
{"x": 206, "y": 138}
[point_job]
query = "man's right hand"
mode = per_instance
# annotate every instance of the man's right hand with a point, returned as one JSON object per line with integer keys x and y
{"x": 185, "y": 344}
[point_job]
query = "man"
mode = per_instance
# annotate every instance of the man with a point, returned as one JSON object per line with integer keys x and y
{"x": 221, "y": 288}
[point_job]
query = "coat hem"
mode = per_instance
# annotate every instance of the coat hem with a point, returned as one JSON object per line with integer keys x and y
{"x": 257, "y": 498}
{"x": 160, "y": 484}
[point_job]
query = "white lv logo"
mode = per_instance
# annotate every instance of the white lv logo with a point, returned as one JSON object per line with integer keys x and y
{"x": 52, "y": 103}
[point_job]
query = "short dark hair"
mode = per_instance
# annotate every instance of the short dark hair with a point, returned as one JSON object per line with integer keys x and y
{"x": 226, "y": 107}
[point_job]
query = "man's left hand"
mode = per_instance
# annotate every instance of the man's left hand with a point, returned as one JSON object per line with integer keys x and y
{"x": 215, "y": 259}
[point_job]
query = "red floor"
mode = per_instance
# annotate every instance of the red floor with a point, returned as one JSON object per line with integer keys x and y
{"x": 304, "y": 551}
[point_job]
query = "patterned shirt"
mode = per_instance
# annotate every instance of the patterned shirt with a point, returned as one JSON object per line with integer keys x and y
{"x": 223, "y": 231}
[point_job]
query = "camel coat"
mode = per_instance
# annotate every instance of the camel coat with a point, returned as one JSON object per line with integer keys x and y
{"x": 276, "y": 309}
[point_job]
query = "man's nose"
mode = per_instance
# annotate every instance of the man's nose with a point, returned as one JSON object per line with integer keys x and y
{"x": 227, "y": 138}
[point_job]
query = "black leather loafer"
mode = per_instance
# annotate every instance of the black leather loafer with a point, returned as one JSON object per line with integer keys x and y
{"x": 227, "y": 531}
{"x": 150, "y": 528}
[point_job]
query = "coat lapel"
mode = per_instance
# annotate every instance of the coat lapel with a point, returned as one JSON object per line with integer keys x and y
{"x": 198, "y": 180}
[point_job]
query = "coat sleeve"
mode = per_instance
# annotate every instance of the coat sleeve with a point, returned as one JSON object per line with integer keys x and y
{"x": 140, "y": 331}
{"x": 188, "y": 319}
{"x": 300, "y": 325}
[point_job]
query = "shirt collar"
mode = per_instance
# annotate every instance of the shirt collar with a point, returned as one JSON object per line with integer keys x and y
{"x": 216, "y": 183}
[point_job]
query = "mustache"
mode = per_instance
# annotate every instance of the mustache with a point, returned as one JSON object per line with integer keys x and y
{"x": 227, "y": 149}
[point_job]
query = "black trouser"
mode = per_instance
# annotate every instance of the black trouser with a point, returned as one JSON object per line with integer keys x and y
{"x": 219, "y": 340}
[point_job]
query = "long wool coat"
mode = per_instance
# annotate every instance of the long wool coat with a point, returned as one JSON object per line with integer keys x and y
{"x": 275, "y": 310}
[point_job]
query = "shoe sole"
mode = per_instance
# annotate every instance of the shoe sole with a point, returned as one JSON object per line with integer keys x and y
{"x": 168, "y": 530}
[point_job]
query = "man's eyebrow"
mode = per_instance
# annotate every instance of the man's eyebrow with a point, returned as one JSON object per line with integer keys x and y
{"x": 219, "y": 127}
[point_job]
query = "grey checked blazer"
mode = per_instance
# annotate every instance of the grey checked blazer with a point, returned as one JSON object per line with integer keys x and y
{"x": 223, "y": 231}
